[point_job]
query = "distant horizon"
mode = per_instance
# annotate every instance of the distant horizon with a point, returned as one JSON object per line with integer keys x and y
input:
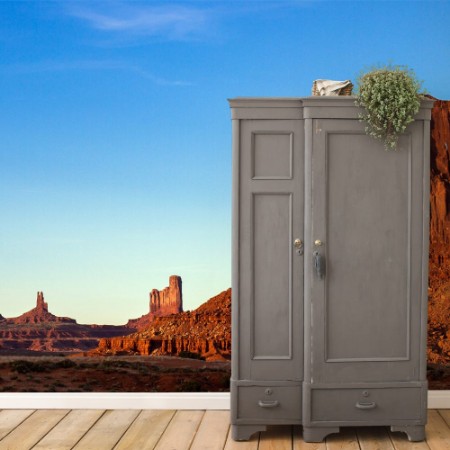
{"x": 51, "y": 309}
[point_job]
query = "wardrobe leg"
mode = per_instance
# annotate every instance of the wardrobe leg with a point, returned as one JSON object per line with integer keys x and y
{"x": 415, "y": 433}
{"x": 318, "y": 434}
{"x": 244, "y": 432}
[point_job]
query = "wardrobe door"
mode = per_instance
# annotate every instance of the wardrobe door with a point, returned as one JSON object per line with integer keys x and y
{"x": 365, "y": 263}
{"x": 271, "y": 184}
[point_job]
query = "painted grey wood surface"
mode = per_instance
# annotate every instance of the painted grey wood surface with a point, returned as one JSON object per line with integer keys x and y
{"x": 271, "y": 270}
{"x": 367, "y": 209}
{"x": 333, "y": 332}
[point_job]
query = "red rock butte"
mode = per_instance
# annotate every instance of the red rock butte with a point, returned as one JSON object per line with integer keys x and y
{"x": 39, "y": 314}
{"x": 169, "y": 300}
{"x": 205, "y": 331}
{"x": 39, "y": 330}
{"x": 162, "y": 303}
{"x": 40, "y": 303}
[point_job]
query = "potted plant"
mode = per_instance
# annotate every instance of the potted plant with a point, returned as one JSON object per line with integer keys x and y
{"x": 391, "y": 98}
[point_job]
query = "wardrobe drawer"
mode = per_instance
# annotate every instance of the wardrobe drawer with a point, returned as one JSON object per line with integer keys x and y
{"x": 269, "y": 402}
{"x": 366, "y": 405}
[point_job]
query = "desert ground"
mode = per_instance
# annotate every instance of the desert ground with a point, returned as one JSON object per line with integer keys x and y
{"x": 64, "y": 373}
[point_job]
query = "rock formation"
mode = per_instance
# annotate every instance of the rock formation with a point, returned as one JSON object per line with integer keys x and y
{"x": 440, "y": 184}
{"x": 205, "y": 331}
{"x": 169, "y": 300}
{"x": 39, "y": 314}
{"x": 40, "y": 303}
{"x": 439, "y": 263}
{"x": 162, "y": 303}
{"x": 41, "y": 331}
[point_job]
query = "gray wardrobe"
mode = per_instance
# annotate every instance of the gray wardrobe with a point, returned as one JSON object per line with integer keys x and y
{"x": 330, "y": 269}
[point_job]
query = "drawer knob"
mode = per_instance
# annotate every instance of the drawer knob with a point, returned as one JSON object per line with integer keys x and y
{"x": 267, "y": 404}
{"x": 366, "y": 405}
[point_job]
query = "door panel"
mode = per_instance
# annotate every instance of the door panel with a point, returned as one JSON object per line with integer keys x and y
{"x": 271, "y": 280}
{"x": 272, "y": 276}
{"x": 366, "y": 207}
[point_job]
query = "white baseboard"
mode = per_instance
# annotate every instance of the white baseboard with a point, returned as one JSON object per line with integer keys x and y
{"x": 438, "y": 399}
{"x": 104, "y": 400}
{"x": 157, "y": 400}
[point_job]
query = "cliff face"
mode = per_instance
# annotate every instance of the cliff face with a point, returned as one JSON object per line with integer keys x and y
{"x": 439, "y": 262}
{"x": 440, "y": 184}
{"x": 206, "y": 331}
{"x": 162, "y": 303}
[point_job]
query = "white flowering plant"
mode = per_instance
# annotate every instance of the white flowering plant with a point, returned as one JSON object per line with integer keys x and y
{"x": 391, "y": 98}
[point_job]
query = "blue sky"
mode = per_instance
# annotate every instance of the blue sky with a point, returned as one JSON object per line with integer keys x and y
{"x": 115, "y": 133}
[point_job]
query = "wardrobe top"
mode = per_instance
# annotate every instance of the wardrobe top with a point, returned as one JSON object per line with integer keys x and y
{"x": 327, "y": 107}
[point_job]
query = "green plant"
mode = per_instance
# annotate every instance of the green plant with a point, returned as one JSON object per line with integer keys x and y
{"x": 391, "y": 98}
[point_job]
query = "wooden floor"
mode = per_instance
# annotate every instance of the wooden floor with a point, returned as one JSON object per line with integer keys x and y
{"x": 195, "y": 430}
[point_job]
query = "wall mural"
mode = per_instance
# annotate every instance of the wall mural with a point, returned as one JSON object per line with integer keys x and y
{"x": 165, "y": 350}
{"x": 171, "y": 350}
{"x": 439, "y": 262}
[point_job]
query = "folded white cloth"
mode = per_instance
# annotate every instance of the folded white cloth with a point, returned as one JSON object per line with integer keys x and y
{"x": 329, "y": 87}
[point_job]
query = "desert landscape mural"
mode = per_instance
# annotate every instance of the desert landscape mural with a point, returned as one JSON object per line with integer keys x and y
{"x": 439, "y": 261}
{"x": 165, "y": 350}
{"x": 169, "y": 349}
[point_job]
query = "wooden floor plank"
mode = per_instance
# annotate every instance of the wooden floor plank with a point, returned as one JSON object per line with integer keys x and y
{"x": 346, "y": 439}
{"x": 212, "y": 432}
{"x": 437, "y": 432}
{"x": 194, "y": 430}
{"x": 70, "y": 430}
{"x": 146, "y": 430}
{"x": 374, "y": 438}
{"x": 276, "y": 438}
{"x": 10, "y": 419}
{"x": 300, "y": 444}
{"x": 32, "y": 430}
{"x": 445, "y": 414}
{"x": 108, "y": 430}
{"x": 251, "y": 444}
{"x": 181, "y": 431}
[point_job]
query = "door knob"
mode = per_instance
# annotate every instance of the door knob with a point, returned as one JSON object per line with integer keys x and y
{"x": 298, "y": 244}
{"x": 318, "y": 242}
